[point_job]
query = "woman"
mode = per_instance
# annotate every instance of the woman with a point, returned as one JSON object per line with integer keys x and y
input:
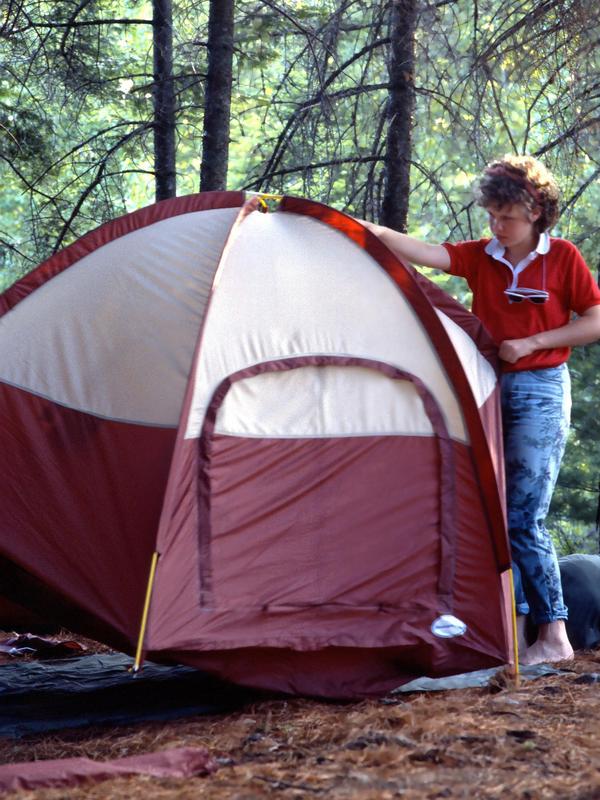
{"x": 525, "y": 286}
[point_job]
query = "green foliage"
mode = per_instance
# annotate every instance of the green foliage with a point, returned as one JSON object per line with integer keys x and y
{"x": 575, "y": 502}
{"x": 308, "y": 117}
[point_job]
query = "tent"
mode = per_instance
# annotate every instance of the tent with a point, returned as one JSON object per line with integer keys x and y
{"x": 303, "y": 430}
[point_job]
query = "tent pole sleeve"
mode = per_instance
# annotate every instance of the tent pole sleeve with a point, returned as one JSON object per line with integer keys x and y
{"x": 514, "y": 626}
{"x": 140, "y": 644}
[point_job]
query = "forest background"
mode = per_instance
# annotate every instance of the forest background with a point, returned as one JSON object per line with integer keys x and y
{"x": 386, "y": 109}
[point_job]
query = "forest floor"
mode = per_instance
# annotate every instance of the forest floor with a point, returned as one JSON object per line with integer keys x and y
{"x": 540, "y": 740}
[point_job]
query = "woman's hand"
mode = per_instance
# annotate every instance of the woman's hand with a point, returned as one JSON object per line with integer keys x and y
{"x": 512, "y": 350}
{"x": 371, "y": 226}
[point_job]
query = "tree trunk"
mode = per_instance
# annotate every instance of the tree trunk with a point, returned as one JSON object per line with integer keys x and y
{"x": 400, "y": 110}
{"x": 217, "y": 103}
{"x": 164, "y": 100}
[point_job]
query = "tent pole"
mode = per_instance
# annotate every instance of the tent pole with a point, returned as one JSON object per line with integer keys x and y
{"x": 138, "y": 655}
{"x": 266, "y": 195}
{"x": 514, "y": 627}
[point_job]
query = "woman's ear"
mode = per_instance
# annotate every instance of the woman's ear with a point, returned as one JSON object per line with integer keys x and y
{"x": 535, "y": 214}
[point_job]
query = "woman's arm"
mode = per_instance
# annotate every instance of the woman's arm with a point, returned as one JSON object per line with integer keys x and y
{"x": 411, "y": 249}
{"x": 583, "y": 330}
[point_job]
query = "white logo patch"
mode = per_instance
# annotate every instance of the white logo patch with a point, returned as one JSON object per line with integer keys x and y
{"x": 447, "y": 627}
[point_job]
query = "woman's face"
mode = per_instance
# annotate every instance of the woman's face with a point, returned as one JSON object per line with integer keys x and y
{"x": 513, "y": 225}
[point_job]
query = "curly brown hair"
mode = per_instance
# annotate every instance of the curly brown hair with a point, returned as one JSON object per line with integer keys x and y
{"x": 520, "y": 179}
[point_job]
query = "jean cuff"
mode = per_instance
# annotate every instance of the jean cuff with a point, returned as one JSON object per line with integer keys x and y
{"x": 545, "y": 619}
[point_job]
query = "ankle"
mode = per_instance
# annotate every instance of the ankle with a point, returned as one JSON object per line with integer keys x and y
{"x": 553, "y": 632}
{"x": 522, "y": 642}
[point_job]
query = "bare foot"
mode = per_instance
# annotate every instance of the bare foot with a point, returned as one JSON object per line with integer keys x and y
{"x": 552, "y": 645}
{"x": 544, "y": 652}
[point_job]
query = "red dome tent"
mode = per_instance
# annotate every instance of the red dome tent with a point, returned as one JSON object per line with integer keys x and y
{"x": 303, "y": 429}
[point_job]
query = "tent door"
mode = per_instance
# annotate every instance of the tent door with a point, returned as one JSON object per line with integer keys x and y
{"x": 328, "y": 482}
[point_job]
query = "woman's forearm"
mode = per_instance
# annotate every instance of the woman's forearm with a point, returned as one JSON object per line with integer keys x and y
{"x": 583, "y": 330}
{"x": 411, "y": 249}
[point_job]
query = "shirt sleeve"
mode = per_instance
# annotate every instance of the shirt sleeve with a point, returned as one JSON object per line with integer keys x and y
{"x": 465, "y": 257}
{"x": 584, "y": 291}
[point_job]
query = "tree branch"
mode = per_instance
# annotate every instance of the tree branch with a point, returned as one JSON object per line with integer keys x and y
{"x": 334, "y": 162}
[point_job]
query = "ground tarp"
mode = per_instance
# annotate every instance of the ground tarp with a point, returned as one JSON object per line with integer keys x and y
{"x": 37, "y": 697}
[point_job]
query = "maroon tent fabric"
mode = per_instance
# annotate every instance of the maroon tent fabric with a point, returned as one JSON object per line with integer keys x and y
{"x": 179, "y": 762}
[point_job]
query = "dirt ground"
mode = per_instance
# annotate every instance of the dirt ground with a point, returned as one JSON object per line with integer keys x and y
{"x": 541, "y": 740}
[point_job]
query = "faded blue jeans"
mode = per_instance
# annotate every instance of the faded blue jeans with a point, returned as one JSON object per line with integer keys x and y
{"x": 536, "y": 409}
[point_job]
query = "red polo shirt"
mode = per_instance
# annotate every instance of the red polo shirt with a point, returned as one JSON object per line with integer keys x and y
{"x": 568, "y": 280}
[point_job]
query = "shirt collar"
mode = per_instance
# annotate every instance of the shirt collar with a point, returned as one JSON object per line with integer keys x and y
{"x": 496, "y": 250}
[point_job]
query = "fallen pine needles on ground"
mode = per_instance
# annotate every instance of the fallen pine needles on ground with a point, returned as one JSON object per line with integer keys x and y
{"x": 538, "y": 741}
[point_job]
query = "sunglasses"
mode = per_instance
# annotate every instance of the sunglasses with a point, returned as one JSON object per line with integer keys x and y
{"x": 537, "y": 296}
{"x": 517, "y": 294}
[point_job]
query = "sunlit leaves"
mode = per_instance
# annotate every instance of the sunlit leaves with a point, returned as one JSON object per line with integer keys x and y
{"x": 308, "y": 117}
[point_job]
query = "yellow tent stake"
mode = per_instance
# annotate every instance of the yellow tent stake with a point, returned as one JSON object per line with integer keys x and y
{"x": 140, "y": 645}
{"x": 514, "y": 627}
